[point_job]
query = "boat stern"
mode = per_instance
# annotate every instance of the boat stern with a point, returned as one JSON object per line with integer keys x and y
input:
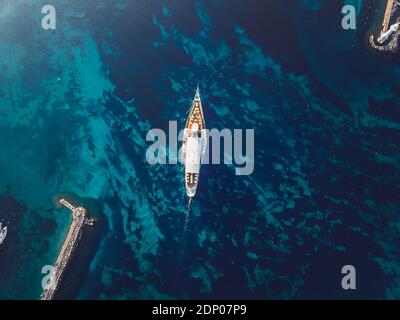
{"x": 190, "y": 192}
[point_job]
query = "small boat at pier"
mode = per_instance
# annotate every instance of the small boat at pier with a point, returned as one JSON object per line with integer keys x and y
{"x": 3, "y": 233}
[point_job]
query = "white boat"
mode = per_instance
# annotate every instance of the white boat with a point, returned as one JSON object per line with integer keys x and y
{"x": 386, "y": 35}
{"x": 3, "y": 233}
{"x": 194, "y": 144}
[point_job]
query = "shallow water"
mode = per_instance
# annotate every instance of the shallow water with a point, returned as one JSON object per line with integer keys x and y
{"x": 76, "y": 104}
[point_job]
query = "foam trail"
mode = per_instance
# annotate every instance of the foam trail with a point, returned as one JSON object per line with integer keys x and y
{"x": 186, "y": 226}
{"x": 187, "y": 217}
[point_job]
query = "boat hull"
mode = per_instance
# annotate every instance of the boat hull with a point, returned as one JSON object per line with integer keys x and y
{"x": 3, "y": 235}
{"x": 194, "y": 145}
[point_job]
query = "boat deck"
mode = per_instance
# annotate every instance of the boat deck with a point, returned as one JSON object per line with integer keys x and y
{"x": 196, "y": 116}
{"x": 193, "y": 133}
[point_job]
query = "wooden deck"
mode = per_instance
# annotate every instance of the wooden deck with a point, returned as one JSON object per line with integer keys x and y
{"x": 196, "y": 116}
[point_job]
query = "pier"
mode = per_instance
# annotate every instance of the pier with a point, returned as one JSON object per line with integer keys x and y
{"x": 79, "y": 220}
{"x": 388, "y": 38}
{"x": 388, "y": 16}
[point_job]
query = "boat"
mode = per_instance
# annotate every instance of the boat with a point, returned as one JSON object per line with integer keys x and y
{"x": 194, "y": 144}
{"x": 3, "y": 233}
{"x": 386, "y": 35}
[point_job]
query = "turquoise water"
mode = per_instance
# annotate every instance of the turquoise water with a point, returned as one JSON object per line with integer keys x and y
{"x": 76, "y": 104}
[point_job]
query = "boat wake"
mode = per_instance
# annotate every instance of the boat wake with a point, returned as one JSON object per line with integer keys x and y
{"x": 186, "y": 226}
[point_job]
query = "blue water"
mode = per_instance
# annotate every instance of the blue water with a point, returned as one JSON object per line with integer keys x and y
{"x": 76, "y": 104}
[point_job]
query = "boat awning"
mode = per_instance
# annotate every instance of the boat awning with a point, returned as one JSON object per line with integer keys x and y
{"x": 193, "y": 149}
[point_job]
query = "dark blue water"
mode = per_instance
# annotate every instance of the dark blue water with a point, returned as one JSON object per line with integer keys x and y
{"x": 77, "y": 102}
